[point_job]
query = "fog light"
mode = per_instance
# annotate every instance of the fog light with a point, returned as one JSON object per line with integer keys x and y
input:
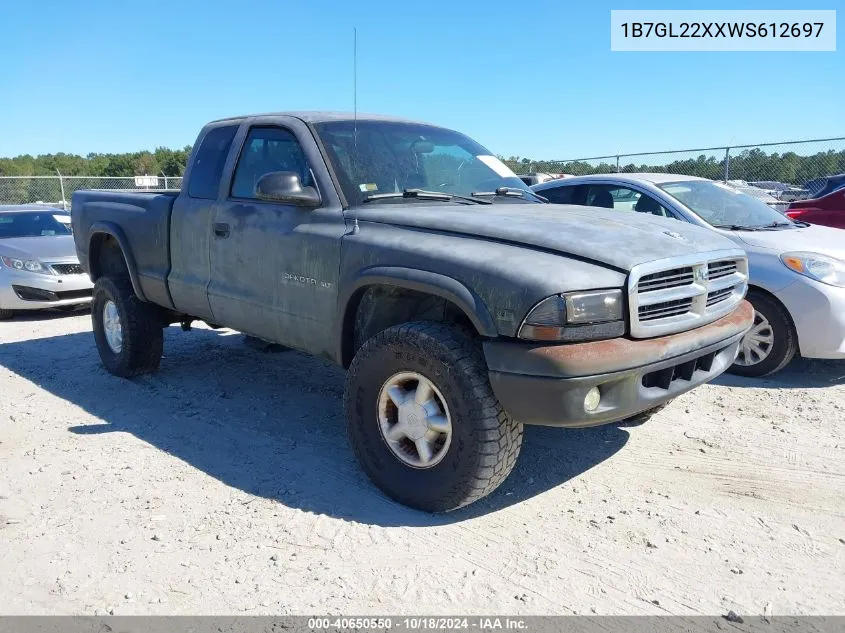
{"x": 592, "y": 399}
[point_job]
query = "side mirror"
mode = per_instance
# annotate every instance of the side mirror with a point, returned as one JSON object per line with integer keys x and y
{"x": 285, "y": 187}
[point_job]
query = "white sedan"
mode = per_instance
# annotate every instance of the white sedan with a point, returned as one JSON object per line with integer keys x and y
{"x": 796, "y": 270}
{"x": 39, "y": 267}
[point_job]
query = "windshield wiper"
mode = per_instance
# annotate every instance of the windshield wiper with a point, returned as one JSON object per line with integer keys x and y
{"x": 423, "y": 195}
{"x": 738, "y": 227}
{"x": 777, "y": 225}
{"x": 511, "y": 192}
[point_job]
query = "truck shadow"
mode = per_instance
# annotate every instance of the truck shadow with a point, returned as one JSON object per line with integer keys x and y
{"x": 802, "y": 373}
{"x": 270, "y": 424}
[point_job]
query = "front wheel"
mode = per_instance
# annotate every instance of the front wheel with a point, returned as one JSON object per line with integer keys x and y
{"x": 423, "y": 420}
{"x": 129, "y": 332}
{"x": 770, "y": 344}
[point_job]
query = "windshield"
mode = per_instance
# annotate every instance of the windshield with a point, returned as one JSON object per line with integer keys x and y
{"x": 722, "y": 205}
{"x": 393, "y": 156}
{"x": 35, "y": 224}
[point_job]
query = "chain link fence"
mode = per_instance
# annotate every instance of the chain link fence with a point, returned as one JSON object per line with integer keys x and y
{"x": 782, "y": 171}
{"x": 57, "y": 190}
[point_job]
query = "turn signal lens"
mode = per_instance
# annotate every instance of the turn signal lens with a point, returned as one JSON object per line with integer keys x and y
{"x": 795, "y": 263}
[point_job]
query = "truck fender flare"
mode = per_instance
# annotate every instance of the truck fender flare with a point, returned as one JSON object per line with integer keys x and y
{"x": 114, "y": 231}
{"x": 423, "y": 281}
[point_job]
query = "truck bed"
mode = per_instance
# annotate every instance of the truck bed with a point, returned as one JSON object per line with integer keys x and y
{"x": 141, "y": 220}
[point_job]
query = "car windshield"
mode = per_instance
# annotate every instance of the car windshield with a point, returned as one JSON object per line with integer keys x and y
{"x": 723, "y": 206}
{"x": 33, "y": 224}
{"x": 383, "y": 157}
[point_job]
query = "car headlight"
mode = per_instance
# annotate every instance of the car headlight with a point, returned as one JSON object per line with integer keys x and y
{"x": 576, "y": 316}
{"x": 29, "y": 265}
{"x": 823, "y": 268}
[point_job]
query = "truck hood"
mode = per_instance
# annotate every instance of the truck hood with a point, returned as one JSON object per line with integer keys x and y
{"x": 46, "y": 248}
{"x": 814, "y": 238}
{"x": 614, "y": 238}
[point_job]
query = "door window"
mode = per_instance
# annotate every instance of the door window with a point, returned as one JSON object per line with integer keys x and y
{"x": 268, "y": 149}
{"x": 624, "y": 199}
{"x": 560, "y": 195}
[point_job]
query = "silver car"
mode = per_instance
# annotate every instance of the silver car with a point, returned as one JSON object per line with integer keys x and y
{"x": 797, "y": 271}
{"x": 38, "y": 263}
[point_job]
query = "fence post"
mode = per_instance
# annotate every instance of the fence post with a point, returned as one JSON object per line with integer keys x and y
{"x": 727, "y": 163}
{"x": 62, "y": 187}
{"x": 617, "y": 163}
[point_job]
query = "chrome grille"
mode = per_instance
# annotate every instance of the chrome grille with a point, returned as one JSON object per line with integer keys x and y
{"x": 67, "y": 269}
{"x": 721, "y": 269}
{"x": 667, "y": 279}
{"x": 719, "y": 295}
{"x": 681, "y": 293}
{"x": 665, "y": 309}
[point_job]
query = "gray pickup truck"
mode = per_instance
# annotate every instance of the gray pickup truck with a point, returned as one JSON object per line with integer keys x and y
{"x": 462, "y": 305}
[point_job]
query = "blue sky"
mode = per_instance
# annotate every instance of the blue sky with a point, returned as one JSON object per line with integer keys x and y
{"x": 533, "y": 79}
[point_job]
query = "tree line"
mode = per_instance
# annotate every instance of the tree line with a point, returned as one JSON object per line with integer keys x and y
{"x": 170, "y": 162}
{"x": 753, "y": 164}
{"x": 750, "y": 165}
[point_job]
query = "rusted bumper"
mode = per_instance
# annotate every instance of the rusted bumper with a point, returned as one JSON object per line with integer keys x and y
{"x": 546, "y": 384}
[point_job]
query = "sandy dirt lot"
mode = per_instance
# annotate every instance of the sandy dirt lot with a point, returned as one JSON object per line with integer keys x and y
{"x": 224, "y": 485}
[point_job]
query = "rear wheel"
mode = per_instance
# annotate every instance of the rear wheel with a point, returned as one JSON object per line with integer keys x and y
{"x": 770, "y": 344}
{"x": 423, "y": 420}
{"x": 129, "y": 332}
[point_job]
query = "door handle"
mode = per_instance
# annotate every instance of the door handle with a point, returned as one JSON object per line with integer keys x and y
{"x": 221, "y": 229}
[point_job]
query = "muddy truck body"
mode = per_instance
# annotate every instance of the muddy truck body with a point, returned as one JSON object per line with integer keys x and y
{"x": 462, "y": 305}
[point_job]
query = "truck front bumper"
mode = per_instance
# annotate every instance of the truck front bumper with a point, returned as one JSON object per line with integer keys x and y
{"x": 547, "y": 384}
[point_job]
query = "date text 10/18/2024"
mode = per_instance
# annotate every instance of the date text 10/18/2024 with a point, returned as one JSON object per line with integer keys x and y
{"x": 418, "y": 624}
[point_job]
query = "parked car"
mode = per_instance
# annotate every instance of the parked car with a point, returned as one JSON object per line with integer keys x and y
{"x": 781, "y": 190}
{"x": 827, "y": 208}
{"x": 462, "y": 305}
{"x": 537, "y": 178}
{"x": 822, "y": 186}
{"x": 797, "y": 283}
{"x": 39, "y": 267}
{"x": 761, "y": 194}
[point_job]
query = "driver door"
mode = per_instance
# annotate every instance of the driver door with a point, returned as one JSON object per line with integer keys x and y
{"x": 260, "y": 281}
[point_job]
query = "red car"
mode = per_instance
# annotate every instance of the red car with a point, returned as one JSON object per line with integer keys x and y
{"x": 827, "y": 209}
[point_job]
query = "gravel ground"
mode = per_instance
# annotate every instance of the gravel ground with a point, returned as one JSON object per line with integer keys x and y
{"x": 224, "y": 485}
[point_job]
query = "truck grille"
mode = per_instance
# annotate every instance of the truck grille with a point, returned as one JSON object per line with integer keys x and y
{"x": 67, "y": 269}
{"x": 667, "y": 279}
{"x": 718, "y": 295}
{"x": 678, "y": 294}
{"x": 717, "y": 270}
{"x": 665, "y": 309}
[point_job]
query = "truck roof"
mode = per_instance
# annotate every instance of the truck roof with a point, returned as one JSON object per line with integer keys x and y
{"x": 321, "y": 116}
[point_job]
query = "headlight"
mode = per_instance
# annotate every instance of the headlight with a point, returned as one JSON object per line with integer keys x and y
{"x": 576, "y": 316}
{"x": 29, "y": 265}
{"x": 827, "y": 270}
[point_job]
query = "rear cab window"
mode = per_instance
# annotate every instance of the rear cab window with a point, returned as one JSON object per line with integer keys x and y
{"x": 209, "y": 161}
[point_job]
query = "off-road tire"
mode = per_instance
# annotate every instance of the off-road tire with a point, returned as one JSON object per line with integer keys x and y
{"x": 485, "y": 440}
{"x": 6, "y": 314}
{"x": 143, "y": 332}
{"x": 785, "y": 345}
